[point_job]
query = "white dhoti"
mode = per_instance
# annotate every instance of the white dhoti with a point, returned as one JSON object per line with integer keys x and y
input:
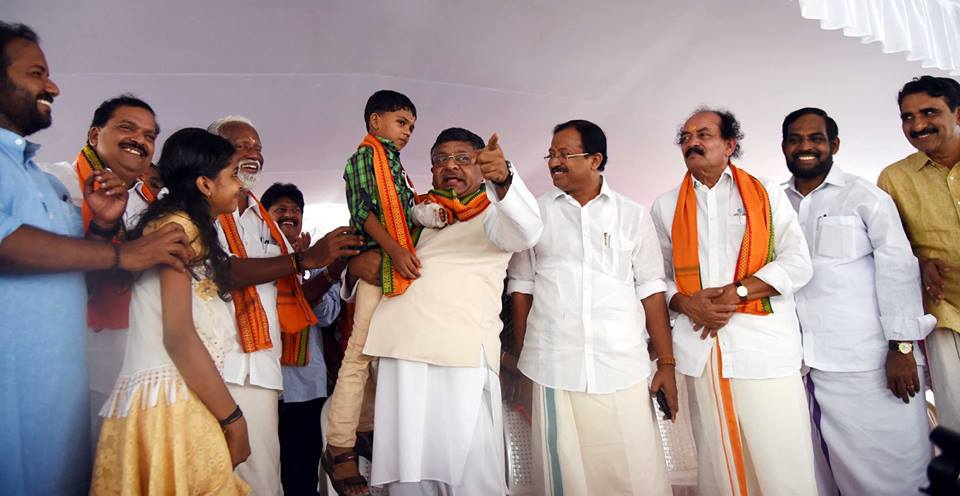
{"x": 439, "y": 430}
{"x": 752, "y": 435}
{"x": 868, "y": 440}
{"x": 262, "y": 468}
{"x": 597, "y": 443}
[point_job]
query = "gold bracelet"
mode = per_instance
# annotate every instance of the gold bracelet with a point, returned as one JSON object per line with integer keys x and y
{"x": 667, "y": 360}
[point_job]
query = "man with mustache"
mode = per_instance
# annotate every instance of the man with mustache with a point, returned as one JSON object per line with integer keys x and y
{"x": 120, "y": 139}
{"x": 438, "y": 403}
{"x": 45, "y": 432}
{"x": 273, "y": 315}
{"x": 734, "y": 256}
{"x": 593, "y": 287}
{"x": 304, "y": 387}
{"x": 861, "y": 314}
{"x": 926, "y": 188}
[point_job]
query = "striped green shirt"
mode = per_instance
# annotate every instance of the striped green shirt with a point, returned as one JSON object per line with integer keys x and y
{"x": 362, "y": 193}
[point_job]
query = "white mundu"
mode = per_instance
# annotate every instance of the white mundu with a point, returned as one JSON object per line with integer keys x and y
{"x": 585, "y": 345}
{"x": 438, "y": 410}
{"x": 255, "y": 379}
{"x": 748, "y": 407}
{"x": 865, "y": 292}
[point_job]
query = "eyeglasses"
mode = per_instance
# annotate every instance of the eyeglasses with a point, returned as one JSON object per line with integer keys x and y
{"x": 564, "y": 157}
{"x": 458, "y": 158}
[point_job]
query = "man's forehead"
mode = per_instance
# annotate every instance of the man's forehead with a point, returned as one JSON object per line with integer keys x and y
{"x": 240, "y": 131}
{"x": 136, "y": 115}
{"x": 916, "y": 101}
{"x": 702, "y": 121}
{"x": 454, "y": 146}
{"x": 23, "y": 51}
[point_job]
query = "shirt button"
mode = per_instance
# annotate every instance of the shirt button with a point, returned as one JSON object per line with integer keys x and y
{"x": 19, "y": 141}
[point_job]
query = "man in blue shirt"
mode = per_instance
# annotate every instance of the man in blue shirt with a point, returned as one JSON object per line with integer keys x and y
{"x": 44, "y": 423}
{"x": 305, "y": 386}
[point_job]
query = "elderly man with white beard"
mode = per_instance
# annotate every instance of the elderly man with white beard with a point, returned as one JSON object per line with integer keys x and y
{"x": 273, "y": 316}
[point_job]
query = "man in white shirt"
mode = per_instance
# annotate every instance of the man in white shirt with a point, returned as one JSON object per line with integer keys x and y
{"x": 734, "y": 256}
{"x": 254, "y": 377}
{"x": 120, "y": 138}
{"x": 593, "y": 287}
{"x": 861, "y": 316}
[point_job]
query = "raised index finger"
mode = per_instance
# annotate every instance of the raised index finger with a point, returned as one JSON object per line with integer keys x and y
{"x": 494, "y": 142}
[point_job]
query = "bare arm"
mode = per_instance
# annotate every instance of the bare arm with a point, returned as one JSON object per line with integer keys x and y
{"x": 35, "y": 251}
{"x": 404, "y": 262}
{"x": 192, "y": 360}
{"x": 520, "y": 309}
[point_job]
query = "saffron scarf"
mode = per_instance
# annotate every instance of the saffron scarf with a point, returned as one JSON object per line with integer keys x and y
{"x": 392, "y": 217}
{"x": 108, "y": 306}
{"x": 463, "y": 209}
{"x": 295, "y": 313}
{"x": 756, "y": 249}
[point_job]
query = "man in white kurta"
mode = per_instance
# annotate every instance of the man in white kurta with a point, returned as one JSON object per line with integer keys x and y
{"x": 122, "y": 135}
{"x": 861, "y": 316}
{"x": 595, "y": 279}
{"x": 748, "y": 404}
{"x": 438, "y": 409}
{"x": 255, "y": 379}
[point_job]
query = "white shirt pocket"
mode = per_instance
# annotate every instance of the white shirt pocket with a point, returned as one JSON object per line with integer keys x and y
{"x": 841, "y": 237}
{"x": 617, "y": 258}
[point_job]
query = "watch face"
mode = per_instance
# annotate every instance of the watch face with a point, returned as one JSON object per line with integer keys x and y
{"x": 905, "y": 348}
{"x": 742, "y": 291}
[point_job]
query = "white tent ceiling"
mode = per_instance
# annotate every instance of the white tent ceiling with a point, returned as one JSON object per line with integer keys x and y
{"x": 302, "y": 70}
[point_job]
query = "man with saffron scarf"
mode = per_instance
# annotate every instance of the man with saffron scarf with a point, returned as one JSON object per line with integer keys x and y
{"x": 734, "y": 255}
{"x": 273, "y": 316}
{"x": 594, "y": 290}
{"x": 121, "y": 139}
{"x": 438, "y": 411}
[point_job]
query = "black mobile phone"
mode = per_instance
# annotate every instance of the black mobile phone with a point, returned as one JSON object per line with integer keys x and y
{"x": 662, "y": 403}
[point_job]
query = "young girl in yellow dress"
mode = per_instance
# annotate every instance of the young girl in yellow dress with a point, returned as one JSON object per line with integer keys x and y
{"x": 171, "y": 426}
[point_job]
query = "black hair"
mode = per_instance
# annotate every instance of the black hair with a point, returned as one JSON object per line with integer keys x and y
{"x": 832, "y": 130}
{"x": 282, "y": 190}
{"x": 109, "y": 107}
{"x": 946, "y": 88}
{"x": 8, "y": 33}
{"x": 386, "y": 101}
{"x": 591, "y": 136}
{"x": 729, "y": 127}
{"x": 188, "y": 154}
{"x": 458, "y": 134}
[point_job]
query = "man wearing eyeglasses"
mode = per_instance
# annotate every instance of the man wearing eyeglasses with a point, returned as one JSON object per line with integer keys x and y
{"x": 734, "y": 255}
{"x": 589, "y": 285}
{"x": 438, "y": 406}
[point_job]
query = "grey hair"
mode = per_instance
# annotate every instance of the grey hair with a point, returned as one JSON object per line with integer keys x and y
{"x": 216, "y": 126}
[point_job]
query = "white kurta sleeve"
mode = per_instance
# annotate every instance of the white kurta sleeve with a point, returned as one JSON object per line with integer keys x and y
{"x": 512, "y": 223}
{"x": 520, "y": 272}
{"x": 791, "y": 267}
{"x": 666, "y": 248}
{"x": 648, "y": 269}
{"x": 897, "y": 274}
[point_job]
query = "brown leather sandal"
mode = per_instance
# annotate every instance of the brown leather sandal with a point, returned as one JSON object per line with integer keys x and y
{"x": 347, "y": 486}
{"x": 364, "y": 445}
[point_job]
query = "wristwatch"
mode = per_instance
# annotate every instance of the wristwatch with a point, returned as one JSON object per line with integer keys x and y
{"x": 741, "y": 291}
{"x": 904, "y": 347}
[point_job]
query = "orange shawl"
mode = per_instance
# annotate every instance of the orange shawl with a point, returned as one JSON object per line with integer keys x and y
{"x": 462, "y": 209}
{"x": 392, "y": 216}
{"x": 295, "y": 313}
{"x": 108, "y": 306}
{"x": 756, "y": 249}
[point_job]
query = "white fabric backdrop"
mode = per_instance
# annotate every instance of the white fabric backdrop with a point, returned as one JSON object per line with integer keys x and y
{"x": 928, "y": 30}
{"x": 302, "y": 70}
